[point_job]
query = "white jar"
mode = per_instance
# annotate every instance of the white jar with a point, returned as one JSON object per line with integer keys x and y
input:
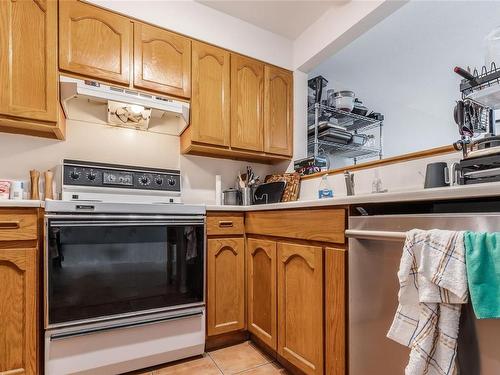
{"x": 16, "y": 190}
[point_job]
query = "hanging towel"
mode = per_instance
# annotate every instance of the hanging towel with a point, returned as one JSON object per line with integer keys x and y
{"x": 483, "y": 273}
{"x": 433, "y": 286}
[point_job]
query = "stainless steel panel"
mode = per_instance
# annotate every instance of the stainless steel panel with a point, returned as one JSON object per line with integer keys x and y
{"x": 373, "y": 289}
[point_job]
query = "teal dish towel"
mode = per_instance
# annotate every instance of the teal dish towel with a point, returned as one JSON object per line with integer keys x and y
{"x": 482, "y": 257}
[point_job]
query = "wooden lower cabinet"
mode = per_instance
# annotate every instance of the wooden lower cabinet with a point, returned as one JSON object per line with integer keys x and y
{"x": 226, "y": 285}
{"x": 18, "y": 311}
{"x": 261, "y": 287}
{"x": 335, "y": 310}
{"x": 300, "y": 306}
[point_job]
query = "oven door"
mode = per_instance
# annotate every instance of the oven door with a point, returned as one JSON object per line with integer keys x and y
{"x": 101, "y": 267}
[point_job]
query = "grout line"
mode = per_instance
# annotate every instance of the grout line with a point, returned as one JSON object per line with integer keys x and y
{"x": 252, "y": 368}
{"x": 215, "y": 363}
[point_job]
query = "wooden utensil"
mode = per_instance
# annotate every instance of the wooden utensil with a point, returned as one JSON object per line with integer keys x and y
{"x": 35, "y": 179}
{"x": 49, "y": 191}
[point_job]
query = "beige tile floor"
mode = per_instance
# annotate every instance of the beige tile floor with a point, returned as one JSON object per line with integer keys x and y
{"x": 245, "y": 359}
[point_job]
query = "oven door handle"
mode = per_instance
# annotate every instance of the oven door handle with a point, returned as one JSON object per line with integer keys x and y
{"x": 111, "y": 223}
{"x": 110, "y": 327}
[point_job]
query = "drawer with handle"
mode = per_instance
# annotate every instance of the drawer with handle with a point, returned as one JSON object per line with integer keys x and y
{"x": 225, "y": 224}
{"x": 18, "y": 225}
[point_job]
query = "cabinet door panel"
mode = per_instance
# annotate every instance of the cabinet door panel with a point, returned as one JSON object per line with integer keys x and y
{"x": 210, "y": 120}
{"x": 261, "y": 272}
{"x": 278, "y": 115}
{"x": 300, "y": 306}
{"x": 28, "y": 66}
{"x": 94, "y": 42}
{"x": 226, "y": 285}
{"x": 335, "y": 310}
{"x": 162, "y": 61}
{"x": 247, "y": 78}
{"x": 18, "y": 296}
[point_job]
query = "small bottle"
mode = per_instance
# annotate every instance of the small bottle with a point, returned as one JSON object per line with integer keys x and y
{"x": 324, "y": 189}
{"x": 377, "y": 183}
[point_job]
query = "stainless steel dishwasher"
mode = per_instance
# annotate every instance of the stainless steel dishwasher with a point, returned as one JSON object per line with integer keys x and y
{"x": 375, "y": 245}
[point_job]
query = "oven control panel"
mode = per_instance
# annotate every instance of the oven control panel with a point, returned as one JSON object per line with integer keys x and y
{"x": 79, "y": 173}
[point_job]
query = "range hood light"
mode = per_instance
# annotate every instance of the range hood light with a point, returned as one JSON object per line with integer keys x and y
{"x": 137, "y": 109}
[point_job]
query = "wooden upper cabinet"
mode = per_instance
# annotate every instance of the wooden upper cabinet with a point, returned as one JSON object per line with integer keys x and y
{"x": 278, "y": 111}
{"x": 226, "y": 285}
{"x": 18, "y": 311}
{"x": 94, "y": 42}
{"x": 261, "y": 284}
{"x": 210, "y": 122}
{"x": 162, "y": 61}
{"x": 28, "y": 60}
{"x": 300, "y": 306}
{"x": 247, "y": 99}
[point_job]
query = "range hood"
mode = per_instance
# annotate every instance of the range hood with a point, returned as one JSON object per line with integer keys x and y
{"x": 93, "y": 101}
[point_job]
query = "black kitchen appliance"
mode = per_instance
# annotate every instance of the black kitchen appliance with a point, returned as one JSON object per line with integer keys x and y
{"x": 270, "y": 192}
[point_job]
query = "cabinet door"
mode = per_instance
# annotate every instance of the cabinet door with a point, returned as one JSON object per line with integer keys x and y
{"x": 300, "y": 306}
{"x": 18, "y": 311}
{"x": 335, "y": 311}
{"x": 278, "y": 115}
{"x": 226, "y": 285}
{"x": 247, "y": 94}
{"x": 94, "y": 42}
{"x": 28, "y": 65}
{"x": 261, "y": 273}
{"x": 210, "y": 122}
{"x": 162, "y": 61}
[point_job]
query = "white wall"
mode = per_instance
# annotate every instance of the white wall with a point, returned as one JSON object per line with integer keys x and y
{"x": 92, "y": 142}
{"x": 201, "y": 22}
{"x": 336, "y": 28}
{"x": 409, "y": 175}
{"x": 403, "y": 67}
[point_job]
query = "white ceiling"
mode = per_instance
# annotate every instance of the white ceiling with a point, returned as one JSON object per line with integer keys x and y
{"x": 286, "y": 18}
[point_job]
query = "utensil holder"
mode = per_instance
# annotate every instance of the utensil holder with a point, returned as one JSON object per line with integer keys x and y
{"x": 247, "y": 196}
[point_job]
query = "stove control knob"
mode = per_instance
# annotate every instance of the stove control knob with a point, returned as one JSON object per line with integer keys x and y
{"x": 75, "y": 175}
{"x": 144, "y": 180}
{"x": 91, "y": 176}
{"x": 171, "y": 182}
{"x": 159, "y": 180}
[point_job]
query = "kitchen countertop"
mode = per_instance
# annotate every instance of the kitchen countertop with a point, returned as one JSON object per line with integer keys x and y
{"x": 20, "y": 203}
{"x": 455, "y": 192}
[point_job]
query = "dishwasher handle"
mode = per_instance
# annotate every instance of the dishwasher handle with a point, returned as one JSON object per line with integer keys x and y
{"x": 375, "y": 235}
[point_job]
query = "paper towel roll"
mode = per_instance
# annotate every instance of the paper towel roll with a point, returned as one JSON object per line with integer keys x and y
{"x": 218, "y": 190}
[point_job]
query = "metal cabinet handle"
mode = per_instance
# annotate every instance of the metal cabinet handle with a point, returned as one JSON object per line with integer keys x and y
{"x": 225, "y": 224}
{"x": 375, "y": 235}
{"x": 9, "y": 224}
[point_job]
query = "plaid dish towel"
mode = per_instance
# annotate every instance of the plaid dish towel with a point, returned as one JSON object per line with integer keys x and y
{"x": 433, "y": 286}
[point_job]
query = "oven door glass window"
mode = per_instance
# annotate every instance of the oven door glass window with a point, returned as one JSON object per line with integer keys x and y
{"x": 96, "y": 271}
